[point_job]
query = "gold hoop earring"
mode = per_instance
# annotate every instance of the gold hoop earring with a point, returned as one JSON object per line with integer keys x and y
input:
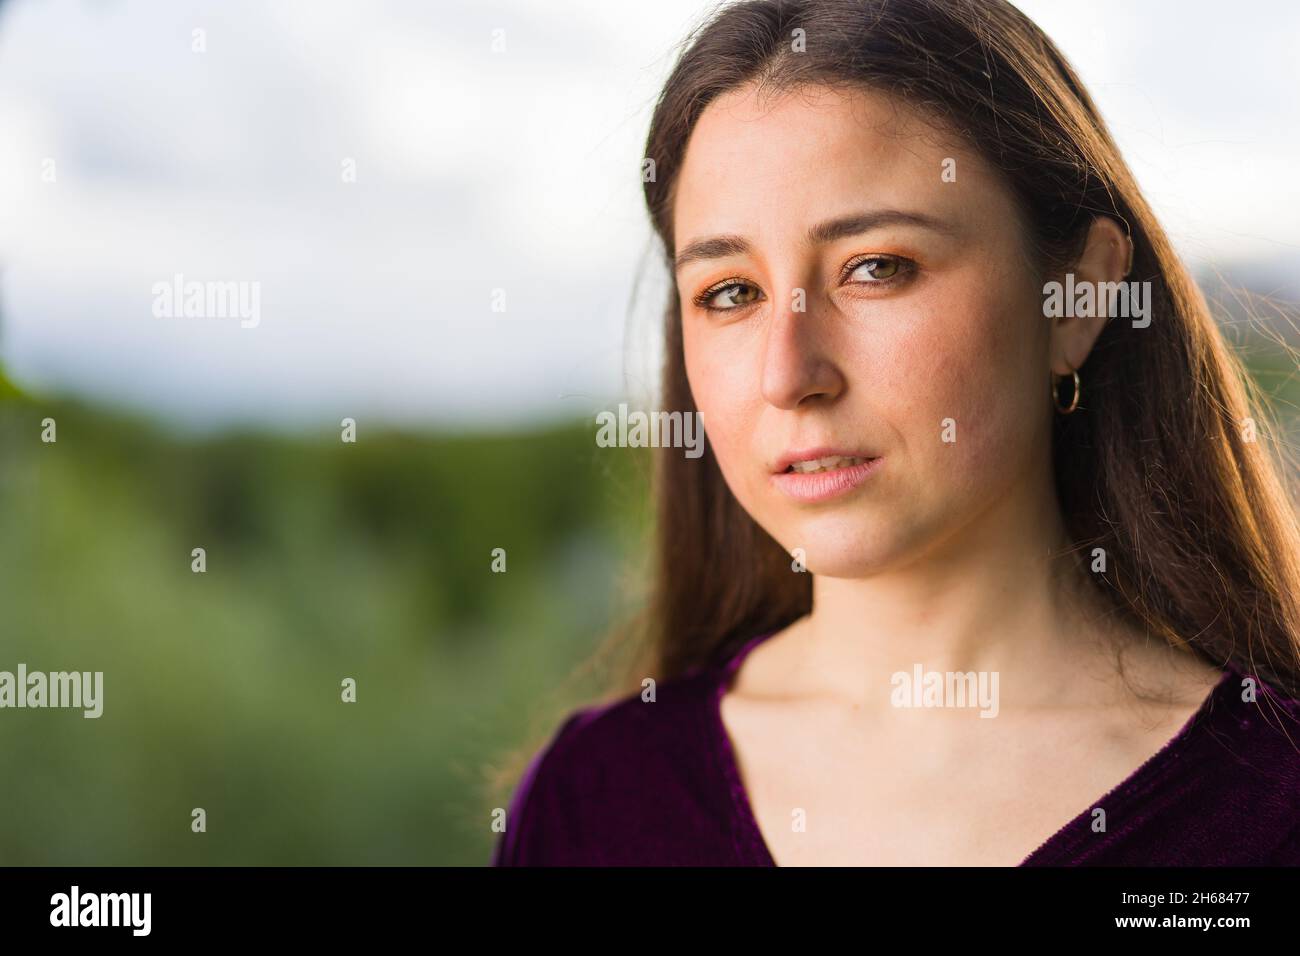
{"x": 1056, "y": 398}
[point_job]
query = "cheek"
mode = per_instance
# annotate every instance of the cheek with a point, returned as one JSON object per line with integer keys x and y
{"x": 721, "y": 385}
{"x": 976, "y": 367}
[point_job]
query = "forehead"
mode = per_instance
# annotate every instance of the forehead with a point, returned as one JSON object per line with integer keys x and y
{"x": 760, "y": 160}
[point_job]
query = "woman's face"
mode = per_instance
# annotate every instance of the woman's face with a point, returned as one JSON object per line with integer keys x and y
{"x": 852, "y": 280}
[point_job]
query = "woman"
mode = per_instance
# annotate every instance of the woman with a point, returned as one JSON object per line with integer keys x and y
{"x": 929, "y": 472}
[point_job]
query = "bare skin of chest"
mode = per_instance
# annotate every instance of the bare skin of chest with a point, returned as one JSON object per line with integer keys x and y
{"x": 832, "y": 786}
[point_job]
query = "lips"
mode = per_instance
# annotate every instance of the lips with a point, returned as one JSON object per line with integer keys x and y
{"x": 820, "y": 474}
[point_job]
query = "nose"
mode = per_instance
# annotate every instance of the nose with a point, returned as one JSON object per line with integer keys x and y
{"x": 798, "y": 363}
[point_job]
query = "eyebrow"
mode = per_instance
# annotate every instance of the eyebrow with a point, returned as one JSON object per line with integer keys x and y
{"x": 719, "y": 247}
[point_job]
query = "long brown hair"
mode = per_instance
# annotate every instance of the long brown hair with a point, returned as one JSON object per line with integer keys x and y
{"x": 1157, "y": 465}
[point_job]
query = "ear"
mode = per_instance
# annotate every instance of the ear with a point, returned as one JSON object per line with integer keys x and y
{"x": 1107, "y": 257}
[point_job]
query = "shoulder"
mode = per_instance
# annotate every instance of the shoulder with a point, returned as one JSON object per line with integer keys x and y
{"x": 1250, "y": 767}
{"x": 1255, "y": 723}
{"x": 606, "y": 768}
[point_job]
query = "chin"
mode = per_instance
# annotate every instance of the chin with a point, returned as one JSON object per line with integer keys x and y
{"x": 850, "y": 563}
{"x": 839, "y": 547}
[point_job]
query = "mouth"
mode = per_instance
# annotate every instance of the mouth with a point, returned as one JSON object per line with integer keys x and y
{"x": 822, "y": 474}
{"x": 814, "y": 466}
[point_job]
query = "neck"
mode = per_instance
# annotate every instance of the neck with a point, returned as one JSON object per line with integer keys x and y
{"x": 1002, "y": 594}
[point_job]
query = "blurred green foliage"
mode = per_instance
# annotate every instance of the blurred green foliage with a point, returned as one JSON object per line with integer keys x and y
{"x": 325, "y": 560}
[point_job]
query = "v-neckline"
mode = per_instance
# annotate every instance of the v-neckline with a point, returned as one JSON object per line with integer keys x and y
{"x": 753, "y": 846}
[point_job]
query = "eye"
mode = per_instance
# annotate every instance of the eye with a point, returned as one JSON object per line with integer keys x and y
{"x": 734, "y": 293}
{"x": 878, "y": 269}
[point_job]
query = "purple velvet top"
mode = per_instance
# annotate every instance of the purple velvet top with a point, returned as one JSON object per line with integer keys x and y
{"x": 633, "y": 783}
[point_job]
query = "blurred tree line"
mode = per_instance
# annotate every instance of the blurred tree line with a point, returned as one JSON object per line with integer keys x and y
{"x": 325, "y": 560}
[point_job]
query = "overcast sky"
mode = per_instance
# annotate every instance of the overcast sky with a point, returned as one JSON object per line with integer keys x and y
{"x": 514, "y": 169}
